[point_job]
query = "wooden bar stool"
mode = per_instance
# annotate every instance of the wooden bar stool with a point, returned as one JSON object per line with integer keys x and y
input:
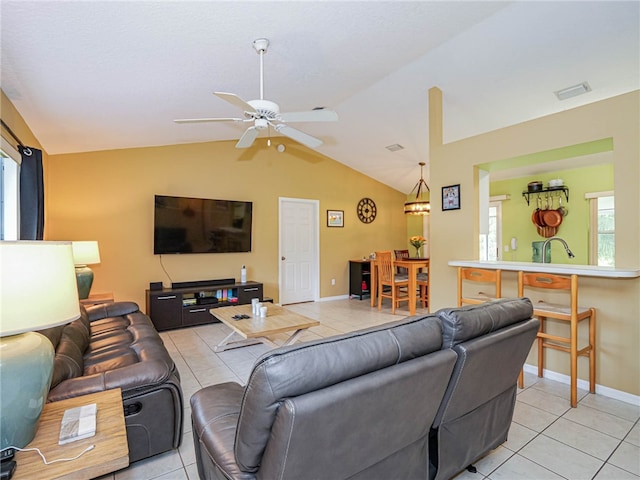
{"x": 571, "y": 313}
{"x": 480, "y": 275}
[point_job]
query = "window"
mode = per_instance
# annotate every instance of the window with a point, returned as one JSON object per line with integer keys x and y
{"x": 602, "y": 239}
{"x": 493, "y": 239}
{"x": 9, "y": 176}
{"x": 490, "y": 244}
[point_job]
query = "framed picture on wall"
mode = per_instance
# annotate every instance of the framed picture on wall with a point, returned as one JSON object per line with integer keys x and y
{"x": 335, "y": 218}
{"x": 451, "y": 197}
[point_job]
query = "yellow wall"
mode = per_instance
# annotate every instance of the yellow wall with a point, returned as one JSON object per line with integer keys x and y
{"x": 16, "y": 123}
{"x": 108, "y": 196}
{"x": 454, "y": 234}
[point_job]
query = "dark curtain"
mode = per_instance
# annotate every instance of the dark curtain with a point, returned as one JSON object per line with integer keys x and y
{"x": 31, "y": 194}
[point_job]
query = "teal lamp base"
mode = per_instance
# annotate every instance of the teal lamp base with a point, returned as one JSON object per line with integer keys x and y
{"x": 26, "y": 366}
{"x": 84, "y": 277}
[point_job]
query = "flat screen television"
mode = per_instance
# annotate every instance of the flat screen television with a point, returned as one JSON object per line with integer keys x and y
{"x": 201, "y": 225}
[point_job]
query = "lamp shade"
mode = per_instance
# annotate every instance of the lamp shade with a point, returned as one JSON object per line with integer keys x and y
{"x": 420, "y": 206}
{"x": 37, "y": 291}
{"x": 37, "y": 286}
{"x": 417, "y": 208}
{"x": 86, "y": 252}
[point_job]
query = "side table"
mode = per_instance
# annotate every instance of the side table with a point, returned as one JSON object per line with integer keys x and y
{"x": 360, "y": 277}
{"x": 96, "y": 298}
{"x": 111, "y": 450}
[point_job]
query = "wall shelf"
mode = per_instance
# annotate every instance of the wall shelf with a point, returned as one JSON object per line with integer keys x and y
{"x": 564, "y": 190}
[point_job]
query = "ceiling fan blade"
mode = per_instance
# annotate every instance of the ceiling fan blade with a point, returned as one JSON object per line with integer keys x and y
{"x": 247, "y": 138}
{"x": 202, "y": 120}
{"x": 298, "y": 136}
{"x": 310, "y": 116}
{"x": 233, "y": 99}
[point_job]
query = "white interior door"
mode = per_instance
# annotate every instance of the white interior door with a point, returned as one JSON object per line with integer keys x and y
{"x": 299, "y": 251}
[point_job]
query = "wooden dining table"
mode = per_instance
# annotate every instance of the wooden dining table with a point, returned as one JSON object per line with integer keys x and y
{"x": 413, "y": 265}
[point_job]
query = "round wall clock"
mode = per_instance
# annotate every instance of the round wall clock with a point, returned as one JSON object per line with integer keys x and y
{"x": 367, "y": 210}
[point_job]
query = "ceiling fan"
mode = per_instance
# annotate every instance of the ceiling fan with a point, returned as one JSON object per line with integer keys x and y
{"x": 265, "y": 113}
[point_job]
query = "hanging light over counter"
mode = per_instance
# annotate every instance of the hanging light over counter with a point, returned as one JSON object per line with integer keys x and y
{"x": 419, "y": 206}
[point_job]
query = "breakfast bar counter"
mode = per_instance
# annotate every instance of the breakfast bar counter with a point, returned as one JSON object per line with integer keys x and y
{"x": 615, "y": 294}
{"x": 556, "y": 268}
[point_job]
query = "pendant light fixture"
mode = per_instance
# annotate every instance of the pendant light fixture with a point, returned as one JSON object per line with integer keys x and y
{"x": 419, "y": 206}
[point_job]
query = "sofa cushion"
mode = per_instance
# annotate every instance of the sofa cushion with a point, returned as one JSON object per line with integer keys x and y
{"x": 72, "y": 341}
{"x": 302, "y": 368}
{"x": 462, "y": 324}
{"x": 53, "y": 334}
{"x": 84, "y": 317}
{"x": 110, "y": 310}
{"x": 125, "y": 351}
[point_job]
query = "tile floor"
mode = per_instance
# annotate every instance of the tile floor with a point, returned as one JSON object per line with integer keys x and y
{"x": 548, "y": 440}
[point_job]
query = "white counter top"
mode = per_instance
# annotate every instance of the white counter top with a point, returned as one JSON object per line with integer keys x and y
{"x": 557, "y": 268}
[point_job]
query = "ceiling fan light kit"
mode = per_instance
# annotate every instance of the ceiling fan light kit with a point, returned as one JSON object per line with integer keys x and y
{"x": 265, "y": 113}
{"x": 419, "y": 206}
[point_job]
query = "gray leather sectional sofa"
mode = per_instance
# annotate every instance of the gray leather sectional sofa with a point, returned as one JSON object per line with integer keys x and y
{"x": 114, "y": 345}
{"x": 421, "y": 398}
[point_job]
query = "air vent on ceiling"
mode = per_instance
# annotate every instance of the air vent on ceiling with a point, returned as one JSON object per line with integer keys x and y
{"x": 573, "y": 91}
{"x": 394, "y": 148}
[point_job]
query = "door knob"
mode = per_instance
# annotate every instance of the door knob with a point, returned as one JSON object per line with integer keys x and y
{"x": 283, "y": 258}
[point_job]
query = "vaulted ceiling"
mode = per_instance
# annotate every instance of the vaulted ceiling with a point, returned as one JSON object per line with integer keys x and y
{"x": 95, "y": 75}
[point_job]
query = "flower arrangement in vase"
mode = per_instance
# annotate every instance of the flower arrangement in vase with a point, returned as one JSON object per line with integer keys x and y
{"x": 417, "y": 241}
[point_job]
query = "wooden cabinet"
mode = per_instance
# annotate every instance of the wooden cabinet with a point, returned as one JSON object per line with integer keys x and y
{"x": 359, "y": 278}
{"x": 171, "y": 308}
{"x": 165, "y": 309}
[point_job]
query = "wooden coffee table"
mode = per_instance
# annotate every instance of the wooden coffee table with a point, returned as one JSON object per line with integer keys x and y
{"x": 255, "y": 330}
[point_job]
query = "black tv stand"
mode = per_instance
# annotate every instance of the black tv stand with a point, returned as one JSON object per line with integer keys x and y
{"x": 188, "y": 303}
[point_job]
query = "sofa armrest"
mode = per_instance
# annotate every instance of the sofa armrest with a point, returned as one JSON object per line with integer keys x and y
{"x": 214, "y": 412}
{"x": 139, "y": 376}
{"x": 111, "y": 309}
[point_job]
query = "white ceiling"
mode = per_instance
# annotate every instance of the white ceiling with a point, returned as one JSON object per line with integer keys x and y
{"x": 95, "y": 75}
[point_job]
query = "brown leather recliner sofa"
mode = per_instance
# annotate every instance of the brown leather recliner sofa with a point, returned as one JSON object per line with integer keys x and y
{"x": 421, "y": 398}
{"x": 114, "y": 345}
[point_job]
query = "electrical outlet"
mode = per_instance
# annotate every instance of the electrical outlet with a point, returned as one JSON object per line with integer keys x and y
{"x": 333, "y": 281}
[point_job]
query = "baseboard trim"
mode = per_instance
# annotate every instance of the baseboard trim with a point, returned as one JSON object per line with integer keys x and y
{"x": 330, "y": 299}
{"x": 584, "y": 384}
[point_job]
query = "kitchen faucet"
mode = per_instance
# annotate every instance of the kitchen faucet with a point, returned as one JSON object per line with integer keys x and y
{"x": 566, "y": 248}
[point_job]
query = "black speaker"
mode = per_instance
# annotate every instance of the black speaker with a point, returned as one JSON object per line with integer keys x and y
{"x": 204, "y": 283}
{"x": 155, "y": 286}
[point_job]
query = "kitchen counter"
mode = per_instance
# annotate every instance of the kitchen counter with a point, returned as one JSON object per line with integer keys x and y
{"x": 557, "y": 268}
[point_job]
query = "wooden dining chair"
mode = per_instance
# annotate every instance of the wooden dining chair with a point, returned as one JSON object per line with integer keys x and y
{"x": 401, "y": 255}
{"x": 394, "y": 283}
{"x": 569, "y": 313}
{"x": 490, "y": 278}
{"x": 422, "y": 279}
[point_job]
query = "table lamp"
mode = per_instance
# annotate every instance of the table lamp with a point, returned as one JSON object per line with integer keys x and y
{"x": 85, "y": 253}
{"x": 37, "y": 291}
